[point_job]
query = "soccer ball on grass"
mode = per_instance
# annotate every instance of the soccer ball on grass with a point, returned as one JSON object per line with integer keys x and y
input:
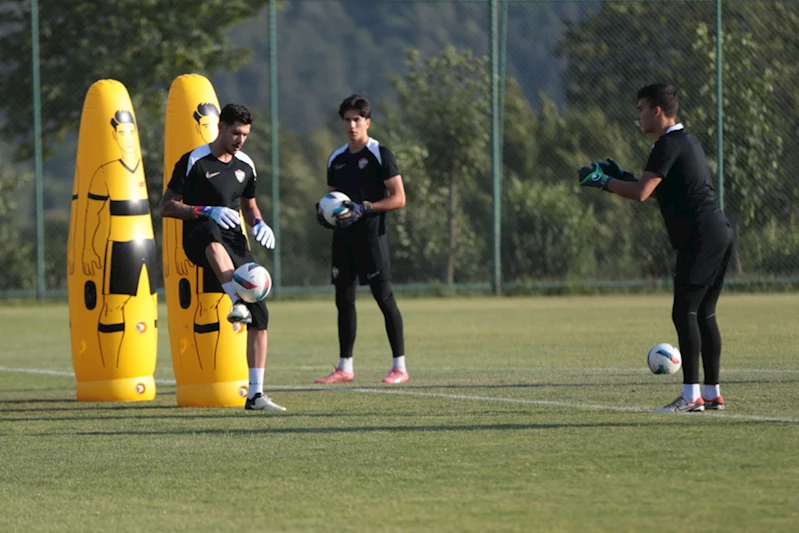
{"x": 252, "y": 282}
{"x": 332, "y": 206}
{"x": 664, "y": 358}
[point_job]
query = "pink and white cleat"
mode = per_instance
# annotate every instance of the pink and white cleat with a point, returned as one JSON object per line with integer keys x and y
{"x": 397, "y": 375}
{"x": 337, "y": 376}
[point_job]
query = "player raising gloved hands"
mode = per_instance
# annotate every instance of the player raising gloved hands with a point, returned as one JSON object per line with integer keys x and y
{"x": 224, "y": 216}
{"x": 263, "y": 233}
{"x": 354, "y": 214}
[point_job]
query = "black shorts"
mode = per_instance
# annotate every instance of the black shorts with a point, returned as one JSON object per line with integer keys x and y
{"x": 704, "y": 258}
{"x": 361, "y": 254}
{"x": 126, "y": 260}
{"x": 196, "y": 239}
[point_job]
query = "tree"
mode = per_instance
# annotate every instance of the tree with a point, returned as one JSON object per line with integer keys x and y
{"x": 444, "y": 101}
{"x": 611, "y": 54}
{"x": 144, "y": 44}
{"x": 16, "y": 253}
{"x": 753, "y": 144}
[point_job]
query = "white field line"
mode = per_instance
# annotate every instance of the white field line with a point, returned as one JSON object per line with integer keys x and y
{"x": 572, "y": 369}
{"x": 467, "y": 397}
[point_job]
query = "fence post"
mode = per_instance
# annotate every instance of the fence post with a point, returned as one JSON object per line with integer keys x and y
{"x": 37, "y": 139}
{"x": 496, "y": 151}
{"x": 274, "y": 139}
{"x": 719, "y": 106}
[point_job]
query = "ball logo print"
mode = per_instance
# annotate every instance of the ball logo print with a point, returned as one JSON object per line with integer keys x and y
{"x": 252, "y": 282}
{"x": 332, "y": 206}
{"x": 664, "y": 358}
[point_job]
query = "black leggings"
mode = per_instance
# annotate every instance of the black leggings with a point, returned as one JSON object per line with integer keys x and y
{"x": 348, "y": 319}
{"x": 694, "y": 316}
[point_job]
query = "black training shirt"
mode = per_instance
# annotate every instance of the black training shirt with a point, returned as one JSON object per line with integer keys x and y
{"x": 361, "y": 176}
{"x": 202, "y": 179}
{"x": 686, "y": 195}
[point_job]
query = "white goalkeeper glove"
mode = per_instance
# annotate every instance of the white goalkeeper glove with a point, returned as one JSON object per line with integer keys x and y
{"x": 263, "y": 234}
{"x": 224, "y": 216}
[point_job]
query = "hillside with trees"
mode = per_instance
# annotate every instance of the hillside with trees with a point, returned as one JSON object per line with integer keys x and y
{"x": 572, "y": 72}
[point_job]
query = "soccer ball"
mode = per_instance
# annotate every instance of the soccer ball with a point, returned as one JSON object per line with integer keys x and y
{"x": 664, "y": 358}
{"x": 252, "y": 282}
{"x": 332, "y": 205}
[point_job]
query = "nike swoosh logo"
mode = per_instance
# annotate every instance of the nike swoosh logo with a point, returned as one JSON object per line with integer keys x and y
{"x": 338, "y": 167}
{"x": 372, "y": 275}
{"x": 209, "y": 175}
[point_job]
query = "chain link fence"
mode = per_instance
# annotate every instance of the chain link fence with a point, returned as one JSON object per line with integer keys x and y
{"x": 568, "y": 73}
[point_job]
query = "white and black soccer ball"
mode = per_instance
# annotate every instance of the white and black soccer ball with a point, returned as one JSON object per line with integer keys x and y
{"x": 664, "y": 358}
{"x": 252, "y": 282}
{"x": 332, "y": 206}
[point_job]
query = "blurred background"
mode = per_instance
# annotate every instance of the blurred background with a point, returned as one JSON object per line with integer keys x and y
{"x": 490, "y": 107}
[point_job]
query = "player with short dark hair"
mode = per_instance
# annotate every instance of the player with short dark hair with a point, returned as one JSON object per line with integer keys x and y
{"x": 209, "y": 186}
{"x": 677, "y": 174}
{"x": 367, "y": 172}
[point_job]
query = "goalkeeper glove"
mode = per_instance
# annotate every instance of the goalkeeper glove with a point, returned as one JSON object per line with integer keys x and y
{"x": 355, "y": 213}
{"x": 224, "y": 216}
{"x": 264, "y": 234}
{"x": 593, "y": 177}
{"x": 610, "y": 167}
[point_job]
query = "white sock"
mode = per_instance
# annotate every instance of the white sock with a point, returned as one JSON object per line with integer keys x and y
{"x": 690, "y": 392}
{"x": 256, "y": 382}
{"x": 711, "y": 392}
{"x": 399, "y": 362}
{"x": 345, "y": 364}
{"x": 230, "y": 291}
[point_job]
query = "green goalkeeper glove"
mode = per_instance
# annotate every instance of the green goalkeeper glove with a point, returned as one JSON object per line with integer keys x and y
{"x": 593, "y": 177}
{"x": 610, "y": 167}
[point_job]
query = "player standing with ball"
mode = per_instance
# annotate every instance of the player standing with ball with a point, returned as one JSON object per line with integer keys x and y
{"x": 677, "y": 174}
{"x": 367, "y": 172}
{"x": 209, "y": 186}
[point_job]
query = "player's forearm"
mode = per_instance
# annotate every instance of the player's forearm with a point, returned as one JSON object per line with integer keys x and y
{"x": 175, "y": 209}
{"x": 251, "y": 214}
{"x": 631, "y": 190}
{"x": 389, "y": 203}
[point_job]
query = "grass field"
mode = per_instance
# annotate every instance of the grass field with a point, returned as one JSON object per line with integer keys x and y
{"x": 528, "y": 414}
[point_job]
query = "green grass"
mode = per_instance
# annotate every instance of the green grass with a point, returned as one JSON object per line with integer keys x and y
{"x": 522, "y": 414}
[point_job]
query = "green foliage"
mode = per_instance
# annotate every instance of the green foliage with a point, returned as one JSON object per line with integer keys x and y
{"x": 423, "y": 64}
{"x": 16, "y": 253}
{"x": 444, "y": 101}
{"x": 548, "y": 232}
{"x": 144, "y": 44}
{"x": 753, "y": 143}
{"x": 613, "y": 53}
{"x": 774, "y": 247}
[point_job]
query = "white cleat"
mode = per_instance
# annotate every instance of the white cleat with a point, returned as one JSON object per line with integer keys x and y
{"x": 681, "y": 405}
{"x": 261, "y": 402}
{"x": 239, "y": 313}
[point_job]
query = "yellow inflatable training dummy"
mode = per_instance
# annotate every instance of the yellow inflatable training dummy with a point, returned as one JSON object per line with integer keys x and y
{"x": 111, "y": 263}
{"x": 208, "y": 353}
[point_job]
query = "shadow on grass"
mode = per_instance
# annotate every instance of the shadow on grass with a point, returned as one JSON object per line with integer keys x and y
{"x": 358, "y": 429}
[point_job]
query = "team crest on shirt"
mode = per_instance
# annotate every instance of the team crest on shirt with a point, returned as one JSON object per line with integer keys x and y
{"x": 239, "y": 175}
{"x": 335, "y": 272}
{"x": 362, "y": 163}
